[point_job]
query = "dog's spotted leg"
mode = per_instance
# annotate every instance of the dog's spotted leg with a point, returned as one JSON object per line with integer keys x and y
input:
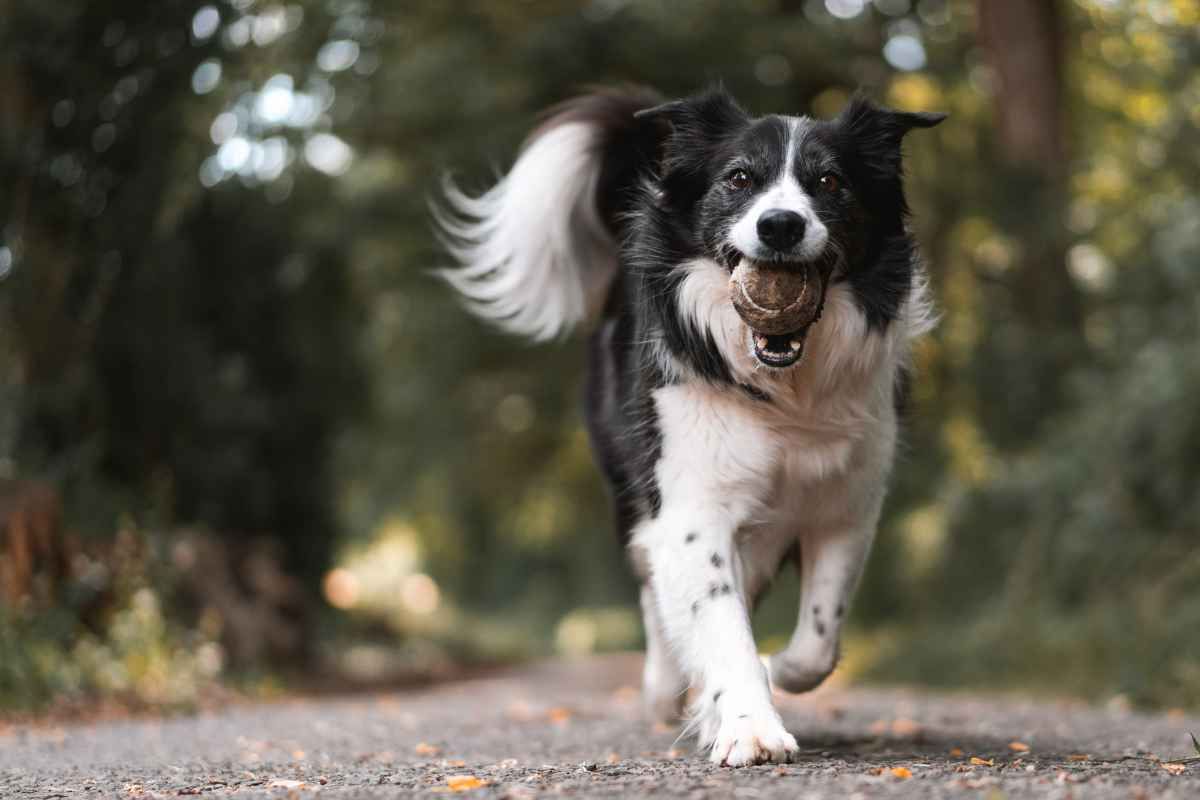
{"x": 830, "y": 566}
{"x": 714, "y": 463}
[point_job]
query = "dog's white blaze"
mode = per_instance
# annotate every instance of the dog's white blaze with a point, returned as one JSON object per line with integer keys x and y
{"x": 786, "y": 193}
{"x": 534, "y": 256}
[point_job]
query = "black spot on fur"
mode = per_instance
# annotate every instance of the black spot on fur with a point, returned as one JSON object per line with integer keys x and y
{"x": 691, "y": 537}
{"x": 816, "y": 611}
{"x": 717, "y": 695}
{"x": 717, "y": 561}
{"x": 840, "y": 611}
{"x": 726, "y": 588}
{"x": 713, "y": 590}
{"x": 820, "y": 628}
{"x": 695, "y": 606}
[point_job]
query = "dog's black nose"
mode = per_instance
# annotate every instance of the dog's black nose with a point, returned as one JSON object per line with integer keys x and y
{"x": 780, "y": 229}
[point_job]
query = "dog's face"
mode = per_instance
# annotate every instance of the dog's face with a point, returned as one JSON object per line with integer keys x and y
{"x": 786, "y": 204}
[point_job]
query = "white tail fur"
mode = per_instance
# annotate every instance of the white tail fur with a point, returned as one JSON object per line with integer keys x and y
{"x": 534, "y": 255}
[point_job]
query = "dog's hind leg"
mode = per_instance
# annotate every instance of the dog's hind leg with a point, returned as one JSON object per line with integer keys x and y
{"x": 830, "y": 565}
{"x": 664, "y": 685}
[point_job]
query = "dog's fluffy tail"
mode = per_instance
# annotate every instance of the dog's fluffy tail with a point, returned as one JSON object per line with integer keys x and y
{"x": 538, "y": 251}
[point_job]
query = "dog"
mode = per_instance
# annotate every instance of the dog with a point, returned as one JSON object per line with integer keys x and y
{"x": 757, "y": 291}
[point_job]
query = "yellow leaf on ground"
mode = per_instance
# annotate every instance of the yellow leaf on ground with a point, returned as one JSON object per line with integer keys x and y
{"x": 1018, "y": 747}
{"x": 1079, "y": 757}
{"x": 559, "y": 715}
{"x": 982, "y": 762}
{"x": 426, "y": 749}
{"x": 956, "y": 752}
{"x": 1174, "y": 768}
{"x": 903, "y": 773}
{"x": 464, "y": 783}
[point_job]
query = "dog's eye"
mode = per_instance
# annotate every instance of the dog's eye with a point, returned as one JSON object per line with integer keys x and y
{"x": 739, "y": 180}
{"x": 830, "y": 183}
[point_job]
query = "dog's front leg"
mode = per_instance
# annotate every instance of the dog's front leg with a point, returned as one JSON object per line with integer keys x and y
{"x": 714, "y": 464}
{"x": 696, "y": 580}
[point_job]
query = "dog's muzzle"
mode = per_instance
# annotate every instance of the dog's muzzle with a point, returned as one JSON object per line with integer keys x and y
{"x": 779, "y": 302}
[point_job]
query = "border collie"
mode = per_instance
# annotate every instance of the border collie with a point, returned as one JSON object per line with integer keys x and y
{"x": 757, "y": 292}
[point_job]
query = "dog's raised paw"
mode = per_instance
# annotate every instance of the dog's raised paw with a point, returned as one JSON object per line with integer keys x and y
{"x": 753, "y": 739}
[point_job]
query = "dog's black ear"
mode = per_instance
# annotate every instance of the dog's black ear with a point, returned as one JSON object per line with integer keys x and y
{"x": 875, "y": 132}
{"x": 694, "y": 125}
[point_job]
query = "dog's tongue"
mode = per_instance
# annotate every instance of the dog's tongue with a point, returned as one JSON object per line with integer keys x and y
{"x": 777, "y": 299}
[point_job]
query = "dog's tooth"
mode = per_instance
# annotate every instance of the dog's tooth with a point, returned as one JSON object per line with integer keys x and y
{"x": 761, "y": 341}
{"x": 796, "y": 344}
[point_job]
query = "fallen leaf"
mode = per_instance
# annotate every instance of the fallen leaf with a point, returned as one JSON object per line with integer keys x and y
{"x": 903, "y": 773}
{"x": 956, "y": 752}
{"x": 298, "y": 755}
{"x": 626, "y": 694}
{"x": 426, "y": 749}
{"x": 906, "y": 727}
{"x": 520, "y": 711}
{"x": 1173, "y": 767}
{"x": 983, "y": 762}
{"x": 878, "y": 728}
{"x": 464, "y": 783}
{"x": 284, "y": 783}
{"x": 559, "y": 715}
{"x": 613, "y": 758}
{"x": 1079, "y": 757}
{"x": 1018, "y": 747}
{"x": 458, "y": 762}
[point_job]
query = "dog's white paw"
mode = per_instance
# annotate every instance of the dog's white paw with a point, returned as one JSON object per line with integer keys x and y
{"x": 743, "y": 740}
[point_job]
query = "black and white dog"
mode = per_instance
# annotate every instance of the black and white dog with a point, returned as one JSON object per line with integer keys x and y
{"x": 758, "y": 292}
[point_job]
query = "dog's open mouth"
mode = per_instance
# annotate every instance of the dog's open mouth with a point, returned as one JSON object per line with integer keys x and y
{"x": 781, "y": 350}
{"x": 779, "y": 302}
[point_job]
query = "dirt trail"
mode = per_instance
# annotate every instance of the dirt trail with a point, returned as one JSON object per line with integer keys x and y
{"x": 574, "y": 729}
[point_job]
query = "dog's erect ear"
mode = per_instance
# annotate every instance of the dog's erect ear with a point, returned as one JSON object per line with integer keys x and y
{"x": 875, "y": 132}
{"x": 713, "y": 107}
{"x": 694, "y": 125}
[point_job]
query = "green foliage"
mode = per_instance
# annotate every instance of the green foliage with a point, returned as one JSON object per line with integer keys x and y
{"x": 131, "y": 646}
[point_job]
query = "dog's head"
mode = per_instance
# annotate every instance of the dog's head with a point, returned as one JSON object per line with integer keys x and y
{"x": 786, "y": 204}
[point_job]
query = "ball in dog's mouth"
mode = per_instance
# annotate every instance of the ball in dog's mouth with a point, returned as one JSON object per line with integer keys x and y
{"x": 778, "y": 302}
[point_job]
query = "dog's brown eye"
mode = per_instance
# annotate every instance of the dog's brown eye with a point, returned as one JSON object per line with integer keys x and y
{"x": 830, "y": 183}
{"x": 738, "y": 179}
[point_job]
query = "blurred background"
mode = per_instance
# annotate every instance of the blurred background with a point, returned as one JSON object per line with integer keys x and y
{"x": 248, "y": 443}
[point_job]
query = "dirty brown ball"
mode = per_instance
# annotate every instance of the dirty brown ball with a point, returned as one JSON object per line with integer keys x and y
{"x": 775, "y": 301}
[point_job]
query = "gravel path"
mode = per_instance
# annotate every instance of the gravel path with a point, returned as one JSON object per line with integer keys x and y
{"x": 574, "y": 729}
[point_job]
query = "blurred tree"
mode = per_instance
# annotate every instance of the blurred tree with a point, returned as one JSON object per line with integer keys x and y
{"x": 181, "y": 354}
{"x": 1024, "y": 44}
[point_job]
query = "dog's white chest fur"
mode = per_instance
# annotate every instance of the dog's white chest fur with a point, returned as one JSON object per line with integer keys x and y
{"x": 812, "y": 456}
